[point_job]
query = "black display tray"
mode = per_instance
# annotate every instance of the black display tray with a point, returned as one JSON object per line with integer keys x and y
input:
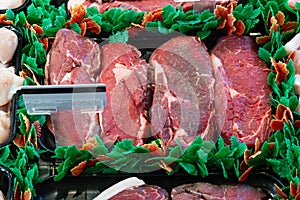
{"x": 88, "y": 187}
{"x": 6, "y": 182}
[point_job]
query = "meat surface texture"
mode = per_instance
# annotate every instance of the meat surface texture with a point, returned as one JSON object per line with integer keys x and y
{"x": 73, "y": 59}
{"x": 183, "y": 98}
{"x": 145, "y": 5}
{"x": 125, "y": 74}
{"x": 143, "y": 192}
{"x": 208, "y": 191}
{"x": 139, "y": 6}
{"x": 136, "y": 5}
{"x": 248, "y": 111}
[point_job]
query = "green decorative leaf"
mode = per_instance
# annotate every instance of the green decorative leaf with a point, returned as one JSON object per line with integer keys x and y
{"x": 97, "y": 19}
{"x": 60, "y": 22}
{"x": 203, "y": 34}
{"x": 225, "y": 174}
{"x": 119, "y": 37}
{"x": 236, "y": 167}
{"x": 91, "y": 11}
{"x": 140, "y": 149}
{"x": 62, "y": 11}
{"x": 202, "y": 169}
{"x": 210, "y": 25}
{"x": 32, "y": 14}
{"x": 168, "y": 10}
{"x": 22, "y": 19}
{"x": 63, "y": 169}
{"x": 4, "y": 153}
{"x": 223, "y": 152}
{"x": 10, "y": 15}
{"x": 264, "y": 54}
{"x": 189, "y": 168}
{"x": 71, "y": 152}
{"x": 75, "y": 27}
{"x": 125, "y": 145}
{"x": 280, "y": 54}
{"x": 162, "y": 29}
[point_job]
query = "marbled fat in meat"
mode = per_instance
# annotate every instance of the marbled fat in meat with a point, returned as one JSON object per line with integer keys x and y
{"x": 244, "y": 80}
{"x": 73, "y": 59}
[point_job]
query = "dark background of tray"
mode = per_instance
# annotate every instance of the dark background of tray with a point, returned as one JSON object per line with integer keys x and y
{"x": 6, "y": 182}
{"x": 88, "y": 187}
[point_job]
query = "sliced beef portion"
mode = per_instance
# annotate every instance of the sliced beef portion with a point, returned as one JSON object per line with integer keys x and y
{"x": 248, "y": 113}
{"x": 139, "y": 5}
{"x": 143, "y": 192}
{"x": 73, "y": 59}
{"x": 184, "y": 91}
{"x": 125, "y": 74}
{"x": 146, "y": 5}
{"x": 208, "y": 191}
{"x": 136, "y": 5}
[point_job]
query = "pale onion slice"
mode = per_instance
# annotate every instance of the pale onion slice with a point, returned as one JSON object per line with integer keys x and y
{"x": 119, "y": 187}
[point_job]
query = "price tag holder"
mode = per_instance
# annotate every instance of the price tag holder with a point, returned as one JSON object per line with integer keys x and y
{"x": 48, "y": 99}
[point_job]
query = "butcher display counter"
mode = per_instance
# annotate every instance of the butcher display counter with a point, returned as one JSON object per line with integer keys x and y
{"x": 149, "y": 100}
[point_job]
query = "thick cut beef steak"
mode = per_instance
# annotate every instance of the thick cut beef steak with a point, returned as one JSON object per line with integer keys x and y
{"x": 208, "y": 191}
{"x": 125, "y": 74}
{"x": 136, "y": 5}
{"x": 182, "y": 105}
{"x": 143, "y": 192}
{"x": 244, "y": 80}
{"x": 73, "y": 59}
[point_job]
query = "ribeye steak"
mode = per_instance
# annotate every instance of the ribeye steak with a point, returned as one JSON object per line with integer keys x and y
{"x": 73, "y": 59}
{"x": 244, "y": 80}
{"x": 143, "y": 192}
{"x": 182, "y": 105}
{"x": 125, "y": 74}
{"x": 210, "y": 191}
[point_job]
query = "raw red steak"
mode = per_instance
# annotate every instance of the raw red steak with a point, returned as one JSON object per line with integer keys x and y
{"x": 209, "y": 191}
{"x": 146, "y": 5}
{"x": 184, "y": 91}
{"x": 137, "y": 5}
{"x": 140, "y": 5}
{"x": 143, "y": 192}
{"x": 125, "y": 74}
{"x": 73, "y": 59}
{"x": 248, "y": 111}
